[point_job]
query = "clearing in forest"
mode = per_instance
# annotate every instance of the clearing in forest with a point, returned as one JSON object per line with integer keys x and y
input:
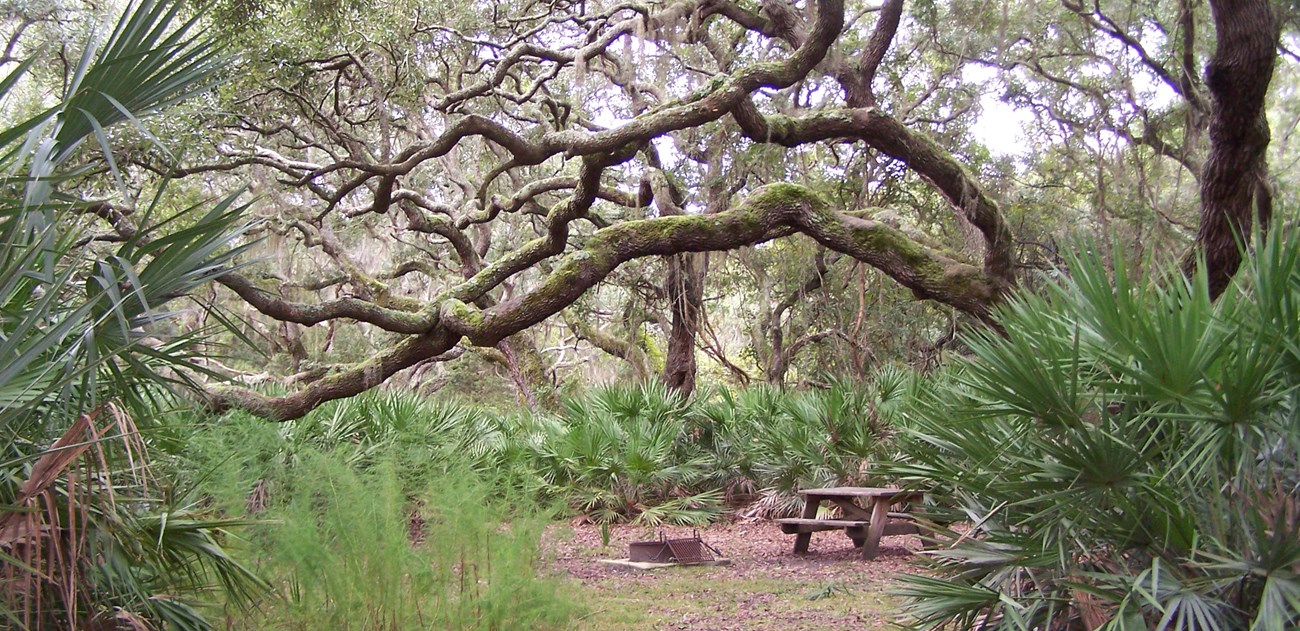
{"x": 767, "y": 586}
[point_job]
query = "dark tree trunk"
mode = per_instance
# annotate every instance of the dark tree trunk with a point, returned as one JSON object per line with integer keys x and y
{"x": 779, "y": 355}
{"x": 527, "y": 370}
{"x": 1234, "y": 184}
{"x": 685, "y": 290}
{"x": 778, "y": 364}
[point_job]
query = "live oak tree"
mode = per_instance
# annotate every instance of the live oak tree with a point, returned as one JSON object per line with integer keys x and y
{"x": 459, "y": 175}
{"x": 1129, "y": 80}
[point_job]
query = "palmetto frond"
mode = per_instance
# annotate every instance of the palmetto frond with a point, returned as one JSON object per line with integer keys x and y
{"x": 1127, "y": 455}
{"x": 75, "y": 326}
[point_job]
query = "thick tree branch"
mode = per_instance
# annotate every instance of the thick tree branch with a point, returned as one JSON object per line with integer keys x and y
{"x": 393, "y": 320}
{"x": 351, "y": 382}
{"x": 858, "y": 92}
{"x": 891, "y": 137}
{"x": 771, "y": 212}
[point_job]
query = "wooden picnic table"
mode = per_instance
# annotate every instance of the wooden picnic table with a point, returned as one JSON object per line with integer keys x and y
{"x": 866, "y": 516}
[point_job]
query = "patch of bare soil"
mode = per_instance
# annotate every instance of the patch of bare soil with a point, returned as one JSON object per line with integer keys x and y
{"x": 766, "y": 586}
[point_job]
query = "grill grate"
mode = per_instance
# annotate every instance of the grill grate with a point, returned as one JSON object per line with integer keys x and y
{"x": 684, "y": 551}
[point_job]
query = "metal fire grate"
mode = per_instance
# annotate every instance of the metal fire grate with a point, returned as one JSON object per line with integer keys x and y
{"x": 681, "y": 551}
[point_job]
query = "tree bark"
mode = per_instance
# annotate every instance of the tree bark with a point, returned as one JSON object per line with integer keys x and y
{"x": 1234, "y": 184}
{"x": 685, "y": 286}
{"x": 523, "y": 362}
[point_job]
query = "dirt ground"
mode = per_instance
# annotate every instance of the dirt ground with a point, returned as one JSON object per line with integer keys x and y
{"x": 766, "y": 586}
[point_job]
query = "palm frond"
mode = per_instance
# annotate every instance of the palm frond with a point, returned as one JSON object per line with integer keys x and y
{"x": 1117, "y": 454}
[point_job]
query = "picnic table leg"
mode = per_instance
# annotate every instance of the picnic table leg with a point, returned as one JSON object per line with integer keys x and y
{"x": 802, "y": 539}
{"x": 879, "y": 517}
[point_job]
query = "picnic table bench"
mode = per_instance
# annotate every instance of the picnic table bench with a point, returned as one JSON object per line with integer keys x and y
{"x": 866, "y": 516}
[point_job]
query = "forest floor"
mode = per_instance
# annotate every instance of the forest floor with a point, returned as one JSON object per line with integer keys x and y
{"x": 766, "y": 586}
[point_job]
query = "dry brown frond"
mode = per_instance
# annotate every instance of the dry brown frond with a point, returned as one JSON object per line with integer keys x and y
{"x": 45, "y": 529}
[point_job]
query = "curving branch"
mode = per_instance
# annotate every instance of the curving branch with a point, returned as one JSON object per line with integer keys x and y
{"x": 499, "y": 169}
{"x": 922, "y": 155}
{"x": 394, "y": 320}
{"x": 624, "y": 349}
{"x": 770, "y": 212}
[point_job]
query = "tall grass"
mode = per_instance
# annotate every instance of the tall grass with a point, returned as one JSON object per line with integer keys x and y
{"x": 374, "y": 543}
{"x": 354, "y": 551}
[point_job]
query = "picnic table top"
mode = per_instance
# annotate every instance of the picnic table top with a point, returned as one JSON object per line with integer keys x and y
{"x": 860, "y": 491}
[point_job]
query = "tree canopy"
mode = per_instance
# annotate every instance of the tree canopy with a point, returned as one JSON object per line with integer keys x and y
{"x": 452, "y": 176}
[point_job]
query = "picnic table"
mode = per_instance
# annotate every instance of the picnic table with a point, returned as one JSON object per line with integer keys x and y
{"x": 866, "y": 516}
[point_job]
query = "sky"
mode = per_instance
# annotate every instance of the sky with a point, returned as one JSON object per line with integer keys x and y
{"x": 1000, "y": 127}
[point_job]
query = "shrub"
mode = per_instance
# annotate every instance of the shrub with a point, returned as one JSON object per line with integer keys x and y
{"x": 622, "y": 453}
{"x": 1126, "y": 455}
{"x": 768, "y": 444}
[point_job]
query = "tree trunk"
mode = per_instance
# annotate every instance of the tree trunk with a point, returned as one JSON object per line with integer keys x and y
{"x": 685, "y": 290}
{"x": 779, "y": 355}
{"x": 1234, "y": 185}
{"x": 778, "y": 363}
{"x": 528, "y": 371}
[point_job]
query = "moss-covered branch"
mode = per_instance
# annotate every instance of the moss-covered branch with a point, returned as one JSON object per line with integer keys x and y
{"x": 771, "y": 212}
{"x": 347, "y": 383}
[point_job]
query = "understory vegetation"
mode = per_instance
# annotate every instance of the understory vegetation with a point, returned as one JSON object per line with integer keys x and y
{"x": 394, "y": 511}
{"x": 633, "y": 453}
{"x": 1126, "y": 457}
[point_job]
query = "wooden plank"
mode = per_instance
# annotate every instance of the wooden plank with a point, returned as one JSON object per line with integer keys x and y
{"x": 793, "y": 526}
{"x": 802, "y": 540}
{"x": 854, "y": 528}
{"x": 834, "y": 523}
{"x": 791, "y": 529}
{"x": 857, "y": 491}
{"x": 879, "y": 519}
{"x": 901, "y": 495}
{"x": 852, "y": 531}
